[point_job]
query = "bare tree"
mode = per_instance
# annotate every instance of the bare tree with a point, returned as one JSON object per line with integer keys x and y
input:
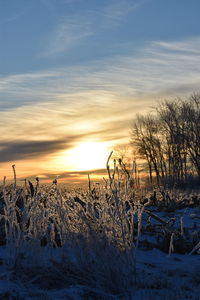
{"x": 169, "y": 140}
{"x": 191, "y": 116}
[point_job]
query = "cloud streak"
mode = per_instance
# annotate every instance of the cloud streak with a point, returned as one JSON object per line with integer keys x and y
{"x": 13, "y": 151}
{"x": 71, "y": 31}
{"x": 71, "y": 176}
{"x": 157, "y": 68}
{"x": 67, "y": 34}
{"x": 115, "y": 12}
{"x": 99, "y": 101}
{"x": 36, "y": 149}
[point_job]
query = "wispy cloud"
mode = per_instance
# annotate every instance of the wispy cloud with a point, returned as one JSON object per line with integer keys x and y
{"x": 31, "y": 149}
{"x": 68, "y": 33}
{"x": 72, "y": 30}
{"x": 97, "y": 101}
{"x": 157, "y": 68}
{"x": 115, "y": 12}
{"x": 13, "y": 151}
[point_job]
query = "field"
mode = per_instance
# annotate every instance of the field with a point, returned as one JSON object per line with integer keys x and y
{"x": 110, "y": 241}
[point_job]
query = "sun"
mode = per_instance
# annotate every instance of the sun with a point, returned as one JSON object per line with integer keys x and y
{"x": 88, "y": 156}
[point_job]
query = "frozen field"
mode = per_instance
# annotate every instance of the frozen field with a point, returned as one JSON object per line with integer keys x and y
{"x": 107, "y": 242}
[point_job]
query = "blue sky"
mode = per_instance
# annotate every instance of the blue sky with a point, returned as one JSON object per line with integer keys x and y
{"x": 79, "y": 70}
{"x": 44, "y": 34}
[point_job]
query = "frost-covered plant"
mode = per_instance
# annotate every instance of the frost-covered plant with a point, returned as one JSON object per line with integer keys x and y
{"x": 88, "y": 234}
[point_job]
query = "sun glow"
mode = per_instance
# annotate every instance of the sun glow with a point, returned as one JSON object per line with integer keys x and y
{"x": 88, "y": 156}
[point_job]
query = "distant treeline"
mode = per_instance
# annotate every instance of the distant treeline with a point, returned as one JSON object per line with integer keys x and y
{"x": 169, "y": 141}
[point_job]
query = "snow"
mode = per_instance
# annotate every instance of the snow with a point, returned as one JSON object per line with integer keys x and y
{"x": 158, "y": 274}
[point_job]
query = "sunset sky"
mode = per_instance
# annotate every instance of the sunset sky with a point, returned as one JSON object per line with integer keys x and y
{"x": 75, "y": 73}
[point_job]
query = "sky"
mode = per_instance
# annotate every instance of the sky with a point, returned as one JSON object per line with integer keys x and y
{"x": 75, "y": 73}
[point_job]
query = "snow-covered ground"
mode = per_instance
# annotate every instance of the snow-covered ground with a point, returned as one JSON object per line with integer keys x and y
{"x": 158, "y": 276}
{"x": 163, "y": 261}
